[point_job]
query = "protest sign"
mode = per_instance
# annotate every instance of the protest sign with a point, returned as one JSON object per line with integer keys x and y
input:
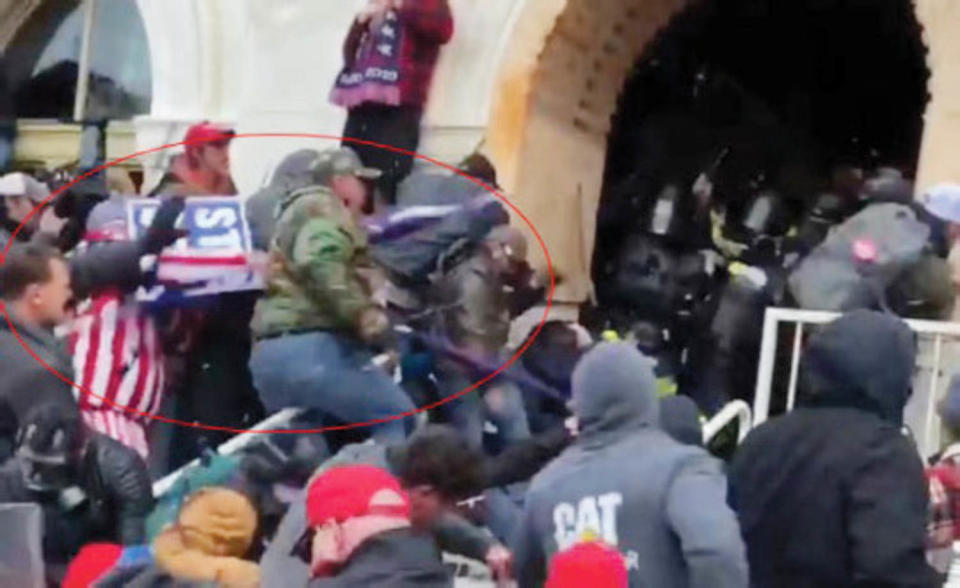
{"x": 212, "y": 259}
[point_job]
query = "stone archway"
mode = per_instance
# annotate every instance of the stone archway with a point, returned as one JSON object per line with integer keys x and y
{"x": 558, "y": 86}
{"x": 556, "y": 94}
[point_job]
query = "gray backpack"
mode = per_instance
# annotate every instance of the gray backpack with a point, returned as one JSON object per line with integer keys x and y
{"x": 831, "y": 278}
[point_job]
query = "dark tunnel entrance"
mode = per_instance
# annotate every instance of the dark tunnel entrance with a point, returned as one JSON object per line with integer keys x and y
{"x": 774, "y": 95}
{"x": 781, "y": 103}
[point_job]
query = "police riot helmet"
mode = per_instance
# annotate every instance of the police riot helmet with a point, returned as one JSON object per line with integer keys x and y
{"x": 765, "y": 216}
{"x": 665, "y": 213}
{"x": 828, "y": 210}
{"x": 49, "y": 447}
{"x": 887, "y": 185}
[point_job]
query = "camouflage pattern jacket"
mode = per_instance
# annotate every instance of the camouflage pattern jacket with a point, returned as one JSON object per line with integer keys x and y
{"x": 316, "y": 258}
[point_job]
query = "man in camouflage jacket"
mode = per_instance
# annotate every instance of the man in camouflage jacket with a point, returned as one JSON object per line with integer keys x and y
{"x": 315, "y": 325}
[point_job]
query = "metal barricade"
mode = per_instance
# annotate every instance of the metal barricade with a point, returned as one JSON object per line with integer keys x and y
{"x": 279, "y": 420}
{"x": 735, "y": 409}
{"x": 271, "y": 423}
{"x": 932, "y": 337}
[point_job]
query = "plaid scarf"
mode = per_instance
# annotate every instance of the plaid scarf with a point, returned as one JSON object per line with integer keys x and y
{"x": 943, "y": 524}
{"x": 375, "y": 73}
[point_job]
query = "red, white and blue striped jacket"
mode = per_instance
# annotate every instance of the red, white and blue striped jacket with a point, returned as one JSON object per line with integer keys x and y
{"x": 119, "y": 366}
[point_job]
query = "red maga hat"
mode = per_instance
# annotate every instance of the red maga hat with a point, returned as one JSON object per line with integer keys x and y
{"x": 347, "y": 492}
{"x": 588, "y": 564}
{"x": 207, "y": 132}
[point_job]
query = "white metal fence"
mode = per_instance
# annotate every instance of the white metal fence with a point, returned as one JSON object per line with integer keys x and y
{"x": 937, "y": 359}
{"x": 275, "y": 421}
{"x": 736, "y": 409}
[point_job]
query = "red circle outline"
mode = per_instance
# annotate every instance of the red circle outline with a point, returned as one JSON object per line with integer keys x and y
{"x": 157, "y": 417}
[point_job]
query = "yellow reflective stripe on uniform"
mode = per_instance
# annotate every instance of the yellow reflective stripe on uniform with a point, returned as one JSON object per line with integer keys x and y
{"x": 666, "y": 386}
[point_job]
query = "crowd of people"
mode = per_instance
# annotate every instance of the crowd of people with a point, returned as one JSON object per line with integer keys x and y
{"x": 387, "y": 288}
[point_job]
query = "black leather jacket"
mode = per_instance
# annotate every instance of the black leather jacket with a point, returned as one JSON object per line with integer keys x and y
{"x": 401, "y": 558}
{"x": 110, "y": 502}
{"x": 118, "y": 488}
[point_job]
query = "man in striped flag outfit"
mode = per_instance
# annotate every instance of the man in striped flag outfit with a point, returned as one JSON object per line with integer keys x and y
{"x": 116, "y": 348}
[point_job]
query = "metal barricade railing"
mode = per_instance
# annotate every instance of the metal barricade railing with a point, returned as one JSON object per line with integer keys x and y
{"x": 276, "y": 421}
{"x": 735, "y": 409}
{"x": 938, "y": 331}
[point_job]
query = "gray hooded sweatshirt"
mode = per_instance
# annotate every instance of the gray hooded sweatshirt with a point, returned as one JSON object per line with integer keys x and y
{"x": 294, "y": 173}
{"x": 626, "y": 482}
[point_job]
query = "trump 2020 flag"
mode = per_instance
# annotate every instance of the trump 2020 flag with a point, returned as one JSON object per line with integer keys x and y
{"x": 213, "y": 257}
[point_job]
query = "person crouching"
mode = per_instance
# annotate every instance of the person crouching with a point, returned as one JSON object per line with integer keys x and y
{"x": 363, "y": 535}
{"x": 213, "y": 532}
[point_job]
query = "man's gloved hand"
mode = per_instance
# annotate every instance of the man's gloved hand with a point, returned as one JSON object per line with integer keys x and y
{"x": 163, "y": 232}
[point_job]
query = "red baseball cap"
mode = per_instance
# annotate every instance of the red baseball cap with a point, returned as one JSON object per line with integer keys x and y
{"x": 92, "y": 562}
{"x": 206, "y": 132}
{"x": 348, "y": 492}
{"x": 588, "y": 564}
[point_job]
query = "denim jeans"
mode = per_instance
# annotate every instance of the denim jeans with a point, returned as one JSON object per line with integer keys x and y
{"x": 332, "y": 374}
{"x": 499, "y": 400}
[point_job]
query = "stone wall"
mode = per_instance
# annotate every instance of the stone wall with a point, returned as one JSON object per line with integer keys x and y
{"x": 941, "y": 140}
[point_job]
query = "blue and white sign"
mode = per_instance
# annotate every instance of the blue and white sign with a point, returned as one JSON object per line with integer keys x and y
{"x": 213, "y": 258}
{"x": 214, "y": 223}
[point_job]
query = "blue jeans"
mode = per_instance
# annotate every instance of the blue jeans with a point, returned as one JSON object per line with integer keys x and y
{"x": 499, "y": 400}
{"x": 332, "y": 374}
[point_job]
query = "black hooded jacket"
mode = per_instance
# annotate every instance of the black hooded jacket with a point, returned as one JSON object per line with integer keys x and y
{"x": 833, "y": 494}
{"x": 625, "y": 481}
{"x": 111, "y": 500}
{"x": 396, "y": 559}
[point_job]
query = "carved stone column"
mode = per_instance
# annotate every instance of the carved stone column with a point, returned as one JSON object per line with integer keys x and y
{"x": 939, "y": 160}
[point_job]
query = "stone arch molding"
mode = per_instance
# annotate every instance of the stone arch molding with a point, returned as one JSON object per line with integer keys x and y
{"x": 13, "y": 14}
{"x": 558, "y": 88}
{"x": 941, "y": 134}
